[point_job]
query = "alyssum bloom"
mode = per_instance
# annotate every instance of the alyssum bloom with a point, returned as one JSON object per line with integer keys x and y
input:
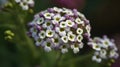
{"x": 25, "y": 4}
{"x": 60, "y": 28}
{"x": 105, "y": 48}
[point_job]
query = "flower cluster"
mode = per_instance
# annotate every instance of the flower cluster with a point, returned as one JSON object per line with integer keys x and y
{"x": 59, "y": 28}
{"x": 105, "y": 48}
{"x": 25, "y": 4}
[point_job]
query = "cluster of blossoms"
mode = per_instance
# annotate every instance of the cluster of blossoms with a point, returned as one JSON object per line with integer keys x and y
{"x": 59, "y": 28}
{"x": 105, "y": 48}
{"x": 25, "y": 4}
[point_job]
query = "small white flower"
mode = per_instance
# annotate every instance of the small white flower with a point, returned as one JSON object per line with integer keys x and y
{"x": 49, "y": 33}
{"x": 103, "y": 53}
{"x": 79, "y": 31}
{"x": 33, "y": 30}
{"x": 115, "y": 48}
{"x": 57, "y": 9}
{"x": 63, "y": 24}
{"x": 70, "y": 23}
{"x": 64, "y": 39}
{"x": 67, "y": 11}
{"x": 75, "y": 47}
{"x": 62, "y": 32}
{"x": 47, "y": 25}
{"x": 47, "y": 46}
{"x": 42, "y": 34}
{"x": 79, "y": 21}
{"x": 96, "y": 46}
{"x": 80, "y": 14}
{"x": 88, "y": 28}
{"x": 70, "y": 32}
{"x": 38, "y": 42}
{"x": 79, "y": 38}
{"x": 47, "y": 49}
{"x": 97, "y": 59}
{"x": 48, "y": 15}
{"x": 71, "y": 37}
{"x": 57, "y": 18}
{"x": 112, "y": 54}
{"x": 81, "y": 45}
{"x": 57, "y": 29}
{"x": 56, "y": 40}
{"x": 24, "y": 6}
{"x": 64, "y": 50}
{"x": 40, "y": 20}
{"x": 105, "y": 43}
{"x": 76, "y": 50}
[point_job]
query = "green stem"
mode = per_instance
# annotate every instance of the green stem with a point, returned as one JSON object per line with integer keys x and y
{"x": 58, "y": 60}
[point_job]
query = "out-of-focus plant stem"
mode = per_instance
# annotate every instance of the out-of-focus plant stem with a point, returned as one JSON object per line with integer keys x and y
{"x": 58, "y": 60}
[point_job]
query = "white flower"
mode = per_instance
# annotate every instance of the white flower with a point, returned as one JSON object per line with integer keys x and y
{"x": 49, "y": 33}
{"x": 40, "y": 20}
{"x": 63, "y": 24}
{"x": 103, "y": 53}
{"x": 81, "y": 45}
{"x": 75, "y": 48}
{"x": 57, "y": 18}
{"x": 79, "y": 21}
{"x": 70, "y": 32}
{"x": 47, "y": 49}
{"x": 62, "y": 32}
{"x": 42, "y": 34}
{"x": 33, "y": 30}
{"x": 38, "y": 41}
{"x": 113, "y": 54}
{"x": 67, "y": 11}
{"x": 57, "y": 29}
{"x": 57, "y": 9}
{"x": 64, "y": 39}
{"x": 71, "y": 36}
{"x": 88, "y": 28}
{"x": 80, "y": 14}
{"x": 47, "y": 25}
{"x": 47, "y": 46}
{"x": 48, "y": 15}
{"x": 24, "y": 5}
{"x": 77, "y": 45}
{"x": 79, "y": 31}
{"x": 96, "y": 46}
{"x": 79, "y": 38}
{"x": 105, "y": 43}
{"x": 64, "y": 50}
{"x": 70, "y": 23}
{"x": 97, "y": 59}
{"x": 17, "y": 1}
{"x": 56, "y": 40}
